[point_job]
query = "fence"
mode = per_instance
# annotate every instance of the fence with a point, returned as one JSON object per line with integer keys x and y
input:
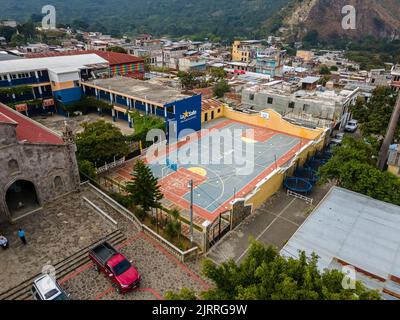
{"x": 109, "y": 166}
{"x": 300, "y": 196}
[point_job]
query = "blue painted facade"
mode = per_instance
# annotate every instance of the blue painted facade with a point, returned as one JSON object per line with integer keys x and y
{"x": 68, "y": 96}
{"x": 187, "y": 115}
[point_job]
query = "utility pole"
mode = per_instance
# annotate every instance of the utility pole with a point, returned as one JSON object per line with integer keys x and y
{"x": 394, "y": 120}
{"x": 191, "y": 210}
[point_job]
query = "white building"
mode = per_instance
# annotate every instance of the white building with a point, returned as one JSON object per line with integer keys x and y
{"x": 352, "y": 231}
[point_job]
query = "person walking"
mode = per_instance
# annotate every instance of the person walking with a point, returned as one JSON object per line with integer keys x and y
{"x": 21, "y": 235}
{"x": 3, "y": 242}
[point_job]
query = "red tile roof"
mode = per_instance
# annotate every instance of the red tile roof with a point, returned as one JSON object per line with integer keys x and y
{"x": 113, "y": 58}
{"x": 28, "y": 129}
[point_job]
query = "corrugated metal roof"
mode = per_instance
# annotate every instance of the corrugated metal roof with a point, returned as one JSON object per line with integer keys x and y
{"x": 357, "y": 229}
{"x": 75, "y": 62}
{"x": 114, "y": 58}
{"x": 210, "y": 104}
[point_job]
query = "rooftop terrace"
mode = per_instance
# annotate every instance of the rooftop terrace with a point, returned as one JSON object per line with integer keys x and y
{"x": 145, "y": 90}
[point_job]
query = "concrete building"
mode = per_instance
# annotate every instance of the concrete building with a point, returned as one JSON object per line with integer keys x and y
{"x": 172, "y": 54}
{"x": 44, "y": 78}
{"x": 120, "y": 64}
{"x": 245, "y": 51}
{"x": 395, "y": 73}
{"x": 302, "y": 98}
{"x": 180, "y": 111}
{"x": 37, "y": 165}
{"x": 379, "y": 77}
{"x": 192, "y": 63}
{"x": 269, "y": 61}
{"x": 394, "y": 160}
{"x": 350, "y": 230}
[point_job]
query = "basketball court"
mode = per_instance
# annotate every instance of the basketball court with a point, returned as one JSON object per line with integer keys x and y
{"x": 216, "y": 184}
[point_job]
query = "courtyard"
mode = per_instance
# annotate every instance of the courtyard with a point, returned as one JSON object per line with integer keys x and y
{"x": 59, "y": 236}
{"x": 57, "y": 123}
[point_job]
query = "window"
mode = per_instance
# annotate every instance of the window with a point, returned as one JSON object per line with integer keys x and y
{"x": 219, "y": 111}
{"x": 306, "y": 107}
{"x": 251, "y": 96}
{"x": 58, "y": 184}
{"x": 270, "y": 100}
{"x": 291, "y": 105}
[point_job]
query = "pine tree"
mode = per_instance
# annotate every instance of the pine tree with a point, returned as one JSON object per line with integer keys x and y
{"x": 143, "y": 189}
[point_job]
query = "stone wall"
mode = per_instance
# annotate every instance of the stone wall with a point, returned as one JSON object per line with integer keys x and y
{"x": 51, "y": 168}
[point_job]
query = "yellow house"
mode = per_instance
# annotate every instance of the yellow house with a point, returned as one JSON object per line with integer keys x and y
{"x": 211, "y": 109}
{"x": 242, "y": 50}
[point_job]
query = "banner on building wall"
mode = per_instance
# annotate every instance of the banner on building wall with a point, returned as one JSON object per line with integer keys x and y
{"x": 21, "y": 107}
{"x": 48, "y": 103}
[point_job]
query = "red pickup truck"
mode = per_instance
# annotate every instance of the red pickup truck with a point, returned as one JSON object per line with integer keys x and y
{"x": 120, "y": 271}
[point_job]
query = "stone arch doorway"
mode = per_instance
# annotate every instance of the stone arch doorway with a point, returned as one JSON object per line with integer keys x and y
{"x": 21, "y": 198}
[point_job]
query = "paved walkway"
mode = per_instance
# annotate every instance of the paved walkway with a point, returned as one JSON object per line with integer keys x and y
{"x": 69, "y": 225}
{"x": 273, "y": 224}
{"x": 53, "y": 234}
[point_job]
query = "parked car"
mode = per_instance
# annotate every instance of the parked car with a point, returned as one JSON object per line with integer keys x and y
{"x": 351, "y": 126}
{"x": 337, "y": 139}
{"x": 114, "y": 265}
{"x": 47, "y": 288}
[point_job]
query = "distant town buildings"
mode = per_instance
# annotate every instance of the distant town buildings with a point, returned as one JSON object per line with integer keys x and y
{"x": 395, "y": 73}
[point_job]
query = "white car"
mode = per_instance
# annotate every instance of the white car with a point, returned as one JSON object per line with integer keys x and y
{"x": 337, "y": 140}
{"x": 351, "y": 126}
{"x": 47, "y": 288}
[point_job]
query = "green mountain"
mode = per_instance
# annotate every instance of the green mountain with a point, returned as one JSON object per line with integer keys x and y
{"x": 220, "y": 18}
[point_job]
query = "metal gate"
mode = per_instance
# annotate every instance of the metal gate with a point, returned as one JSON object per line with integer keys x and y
{"x": 218, "y": 229}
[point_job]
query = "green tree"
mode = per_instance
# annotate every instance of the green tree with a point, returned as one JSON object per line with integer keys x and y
{"x": 324, "y": 70}
{"x": 173, "y": 226}
{"x": 353, "y": 167}
{"x": 266, "y": 275}
{"x": 117, "y": 49}
{"x": 101, "y": 142}
{"x": 143, "y": 189}
{"x": 221, "y": 88}
{"x": 374, "y": 116}
{"x": 188, "y": 79}
{"x": 185, "y": 294}
{"x": 88, "y": 169}
{"x": 217, "y": 73}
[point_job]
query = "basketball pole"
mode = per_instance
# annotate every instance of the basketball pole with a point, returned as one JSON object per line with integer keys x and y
{"x": 191, "y": 210}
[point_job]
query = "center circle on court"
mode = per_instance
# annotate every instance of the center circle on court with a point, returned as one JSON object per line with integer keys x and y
{"x": 199, "y": 171}
{"x": 248, "y": 140}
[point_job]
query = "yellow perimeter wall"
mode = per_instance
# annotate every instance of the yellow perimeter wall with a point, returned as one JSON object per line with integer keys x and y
{"x": 276, "y": 122}
{"x": 217, "y": 114}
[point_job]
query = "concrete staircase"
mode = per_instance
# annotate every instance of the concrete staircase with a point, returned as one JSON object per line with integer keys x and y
{"x": 63, "y": 268}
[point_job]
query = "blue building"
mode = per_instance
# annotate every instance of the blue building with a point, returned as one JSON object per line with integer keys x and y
{"x": 56, "y": 78}
{"x": 180, "y": 111}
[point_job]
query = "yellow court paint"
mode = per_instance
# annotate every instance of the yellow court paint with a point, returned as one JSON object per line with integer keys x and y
{"x": 199, "y": 171}
{"x": 248, "y": 140}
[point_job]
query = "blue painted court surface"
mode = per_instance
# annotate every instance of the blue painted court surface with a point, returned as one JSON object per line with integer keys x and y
{"x": 227, "y": 177}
